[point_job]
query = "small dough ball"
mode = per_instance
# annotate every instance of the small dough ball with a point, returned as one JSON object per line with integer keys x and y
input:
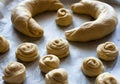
{"x": 48, "y": 63}
{"x": 64, "y": 18}
{"x": 106, "y": 78}
{"x": 14, "y": 73}
{"x": 57, "y": 76}
{"x": 27, "y": 52}
{"x": 107, "y": 51}
{"x": 58, "y": 47}
{"x": 4, "y": 45}
{"x": 92, "y": 67}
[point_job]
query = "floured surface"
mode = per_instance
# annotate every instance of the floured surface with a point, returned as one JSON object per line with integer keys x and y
{"x": 78, "y": 51}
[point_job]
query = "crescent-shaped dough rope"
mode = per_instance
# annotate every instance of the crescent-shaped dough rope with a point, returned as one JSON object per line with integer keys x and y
{"x": 105, "y": 21}
{"x": 48, "y": 63}
{"x": 107, "y": 51}
{"x": 14, "y": 73}
{"x": 58, "y": 47}
{"x": 22, "y": 15}
{"x": 27, "y": 52}
{"x": 57, "y": 76}
{"x": 4, "y": 45}
{"x": 64, "y": 17}
{"x": 92, "y": 67}
{"x": 106, "y": 78}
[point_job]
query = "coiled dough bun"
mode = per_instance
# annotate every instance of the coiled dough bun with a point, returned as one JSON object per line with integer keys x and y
{"x": 107, "y": 51}
{"x": 27, "y": 52}
{"x": 105, "y": 21}
{"x": 22, "y": 15}
{"x": 106, "y": 78}
{"x": 58, "y": 47}
{"x": 14, "y": 73}
{"x": 48, "y": 63}
{"x": 92, "y": 67}
{"x": 57, "y": 76}
{"x": 64, "y": 17}
{"x": 4, "y": 44}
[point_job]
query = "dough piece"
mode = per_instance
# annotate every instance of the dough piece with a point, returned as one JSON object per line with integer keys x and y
{"x": 48, "y": 63}
{"x": 14, "y": 73}
{"x": 57, "y": 76}
{"x": 105, "y": 21}
{"x": 4, "y": 45}
{"x": 58, "y": 47}
{"x": 64, "y": 18}
{"x": 22, "y": 15}
{"x": 106, "y": 78}
{"x": 107, "y": 51}
{"x": 92, "y": 67}
{"x": 27, "y": 52}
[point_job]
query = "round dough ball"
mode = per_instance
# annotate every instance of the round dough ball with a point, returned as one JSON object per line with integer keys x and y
{"x": 107, "y": 51}
{"x": 14, "y": 73}
{"x": 48, "y": 63}
{"x": 92, "y": 67}
{"x": 27, "y": 52}
{"x": 57, "y": 76}
{"x": 64, "y": 18}
{"x": 4, "y": 45}
{"x": 106, "y": 78}
{"x": 58, "y": 47}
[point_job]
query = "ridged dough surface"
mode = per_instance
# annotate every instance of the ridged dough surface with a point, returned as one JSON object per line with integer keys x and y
{"x": 64, "y": 17}
{"x": 22, "y": 15}
{"x": 14, "y": 73}
{"x": 107, "y": 51}
{"x": 27, "y": 52}
{"x": 4, "y": 44}
{"x": 92, "y": 66}
{"x": 57, "y": 76}
{"x": 58, "y": 47}
{"x": 105, "y": 21}
{"x": 48, "y": 63}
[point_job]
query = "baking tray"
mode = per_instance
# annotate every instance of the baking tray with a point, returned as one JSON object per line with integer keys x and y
{"x": 78, "y": 50}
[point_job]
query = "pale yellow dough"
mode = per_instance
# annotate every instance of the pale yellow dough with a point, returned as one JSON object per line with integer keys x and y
{"x": 105, "y": 21}
{"x": 64, "y": 17}
{"x": 92, "y": 67}
{"x": 14, "y": 73}
{"x": 4, "y": 44}
{"x": 106, "y": 78}
{"x": 27, "y": 52}
{"x": 48, "y": 63}
{"x": 22, "y": 15}
{"x": 107, "y": 51}
{"x": 57, "y": 76}
{"x": 58, "y": 47}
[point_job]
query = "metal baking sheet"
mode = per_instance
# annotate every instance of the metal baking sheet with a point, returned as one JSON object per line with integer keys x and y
{"x": 78, "y": 50}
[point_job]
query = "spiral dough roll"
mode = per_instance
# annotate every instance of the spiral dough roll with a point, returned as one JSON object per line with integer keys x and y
{"x": 107, "y": 51}
{"x": 64, "y": 18}
{"x": 58, "y": 47}
{"x": 48, "y": 63}
{"x": 27, "y": 52}
{"x": 92, "y": 67}
{"x": 4, "y": 45}
{"x": 57, "y": 76}
{"x": 14, "y": 73}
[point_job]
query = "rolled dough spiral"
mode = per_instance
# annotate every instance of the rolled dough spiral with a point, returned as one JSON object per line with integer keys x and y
{"x": 92, "y": 67}
{"x": 27, "y": 52}
{"x": 105, "y": 21}
{"x": 107, "y": 51}
{"x": 14, "y": 73}
{"x": 48, "y": 63}
{"x": 57, "y": 76}
{"x": 22, "y": 15}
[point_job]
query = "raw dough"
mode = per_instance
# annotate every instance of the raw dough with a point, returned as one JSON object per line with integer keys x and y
{"x": 48, "y": 63}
